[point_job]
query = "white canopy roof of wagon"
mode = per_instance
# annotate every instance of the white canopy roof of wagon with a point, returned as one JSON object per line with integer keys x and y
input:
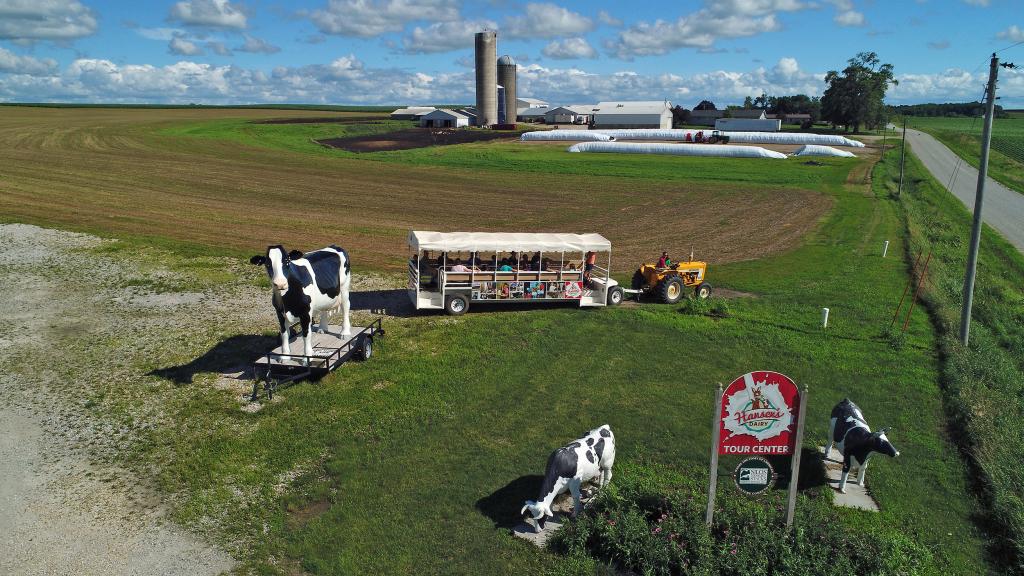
{"x": 507, "y": 241}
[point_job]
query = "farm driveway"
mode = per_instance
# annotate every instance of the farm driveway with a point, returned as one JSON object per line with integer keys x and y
{"x": 61, "y": 512}
{"x": 1003, "y": 209}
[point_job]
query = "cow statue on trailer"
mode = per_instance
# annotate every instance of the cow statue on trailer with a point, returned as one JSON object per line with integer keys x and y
{"x": 856, "y": 442}
{"x": 589, "y": 457}
{"x": 305, "y": 285}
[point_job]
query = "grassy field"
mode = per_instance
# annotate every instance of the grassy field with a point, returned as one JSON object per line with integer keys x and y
{"x": 982, "y": 383}
{"x": 963, "y": 136}
{"x": 417, "y": 461}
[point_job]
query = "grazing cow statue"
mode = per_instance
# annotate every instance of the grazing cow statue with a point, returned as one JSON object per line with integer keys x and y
{"x": 855, "y": 440}
{"x": 305, "y": 284}
{"x": 591, "y": 456}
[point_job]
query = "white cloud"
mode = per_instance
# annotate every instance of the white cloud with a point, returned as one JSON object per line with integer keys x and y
{"x": 700, "y": 29}
{"x": 983, "y": 3}
{"x": 30, "y": 20}
{"x": 608, "y": 19}
{"x": 213, "y": 13}
{"x": 349, "y": 80}
{"x": 570, "y": 48}
{"x": 218, "y": 48}
{"x": 183, "y": 47}
{"x": 849, "y": 18}
{"x": 257, "y": 46}
{"x": 939, "y": 45}
{"x": 546, "y": 21}
{"x": 1012, "y": 34}
{"x": 444, "y": 36}
{"x": 15, "y": 64}
{"x": 163, "y": 34}
{"x": 368, "y": 18}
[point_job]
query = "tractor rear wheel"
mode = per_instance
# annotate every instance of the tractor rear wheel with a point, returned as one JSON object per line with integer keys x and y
{"x": 713, "y": 140}
{"x": 671, "y": 289}
{"x": 638, "y": 280}
{"x": 703, "y": 290}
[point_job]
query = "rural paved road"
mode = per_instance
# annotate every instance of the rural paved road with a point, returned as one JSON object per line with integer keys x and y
{"x": 1004, "y": 208}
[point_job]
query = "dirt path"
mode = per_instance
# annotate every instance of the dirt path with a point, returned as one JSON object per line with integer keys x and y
{"x": 60, "y": 511}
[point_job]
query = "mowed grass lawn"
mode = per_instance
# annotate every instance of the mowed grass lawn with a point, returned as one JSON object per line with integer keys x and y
{"x": 963, "y": 136}
{"x": 414, "y": 461}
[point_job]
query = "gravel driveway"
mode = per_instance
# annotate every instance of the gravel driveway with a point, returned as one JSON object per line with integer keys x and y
{"x": 1003, "y": 208}
{"x": 62, "y": 512}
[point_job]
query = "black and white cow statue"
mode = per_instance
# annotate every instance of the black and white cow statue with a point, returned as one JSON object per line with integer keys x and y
{"x": 856, "y": 442}
{"x": 592, "y": 456}
{"x": 307, "y": 284}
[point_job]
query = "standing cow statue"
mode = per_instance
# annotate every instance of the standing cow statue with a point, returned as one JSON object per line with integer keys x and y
{"x": 592, "y": 456}
{"x": 856, "y": 442}
{"x": 307, "y": 284}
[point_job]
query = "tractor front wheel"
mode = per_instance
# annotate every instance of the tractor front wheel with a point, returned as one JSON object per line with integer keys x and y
{"x": 703, "y": 290}
{"x": 671, "y": 289}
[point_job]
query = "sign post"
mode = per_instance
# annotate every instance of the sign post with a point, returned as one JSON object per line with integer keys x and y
{"x": 794, "y": 475}
{"x": 759, "y": 414}
{"x": 713, "y": 471}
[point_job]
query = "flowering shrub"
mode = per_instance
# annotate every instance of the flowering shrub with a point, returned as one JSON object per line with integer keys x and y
{"x": 638, "y": 528}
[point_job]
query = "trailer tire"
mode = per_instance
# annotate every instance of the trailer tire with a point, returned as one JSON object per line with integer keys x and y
{"x": 670, "y": 290}
{"x": 456, "y": 304}
{"x": 365, "y": 349}
{"x": 614, "y": 296}
{"x": 638, "y": 280}
{"x": 703, "y": 291}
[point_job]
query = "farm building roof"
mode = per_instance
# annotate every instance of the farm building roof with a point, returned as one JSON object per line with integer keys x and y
{"x": 755, "y": 114}
{"x": 443, "y": 112}
{"x": 502, "y": 241}
{"x": 639, "y": 107}
{"x": 531, "y": 102}
{"x": 707, "y": 114}
{"x": 536, "y": 111}
{"x": 415, "y": 110}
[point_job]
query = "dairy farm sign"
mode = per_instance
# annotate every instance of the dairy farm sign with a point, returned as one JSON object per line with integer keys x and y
{"x": 760, "y": 414}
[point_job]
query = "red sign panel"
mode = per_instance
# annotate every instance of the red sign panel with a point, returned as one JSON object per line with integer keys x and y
{"x": 759, "y": 415}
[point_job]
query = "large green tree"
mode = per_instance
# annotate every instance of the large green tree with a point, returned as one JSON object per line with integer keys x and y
{"x": 854, "y": 97}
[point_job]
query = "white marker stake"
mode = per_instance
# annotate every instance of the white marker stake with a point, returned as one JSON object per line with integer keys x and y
{"x": 824, "y": 317}
{"x": 885, "y": 249}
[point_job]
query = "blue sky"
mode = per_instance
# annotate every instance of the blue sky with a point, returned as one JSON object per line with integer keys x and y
{"x": 419, "y": 51}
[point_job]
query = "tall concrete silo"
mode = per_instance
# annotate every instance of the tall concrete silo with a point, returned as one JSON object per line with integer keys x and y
{"x": 507, "y": 78}
{"x": 486, "y": 78}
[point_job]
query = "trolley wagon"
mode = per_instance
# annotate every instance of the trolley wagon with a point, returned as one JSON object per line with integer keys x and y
{"x": 450, "y": 270}
{"x": 330, "y": 350}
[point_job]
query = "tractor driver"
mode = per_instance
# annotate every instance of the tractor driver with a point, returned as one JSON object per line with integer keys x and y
{"x": 664, "y": 261}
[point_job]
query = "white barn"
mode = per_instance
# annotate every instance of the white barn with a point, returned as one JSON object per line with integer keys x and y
{"x": 649, "y": 114}
{"x": 442, "y": 118}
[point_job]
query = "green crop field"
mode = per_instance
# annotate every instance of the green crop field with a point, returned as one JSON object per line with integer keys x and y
{"x": 417, "y": 461}
{"x": 963, "y": 136}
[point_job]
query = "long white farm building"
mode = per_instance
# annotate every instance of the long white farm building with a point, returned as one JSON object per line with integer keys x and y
{"x": 651, "y": 114}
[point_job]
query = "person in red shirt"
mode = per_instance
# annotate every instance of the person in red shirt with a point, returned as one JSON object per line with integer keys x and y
{"x": 664, "y": 261}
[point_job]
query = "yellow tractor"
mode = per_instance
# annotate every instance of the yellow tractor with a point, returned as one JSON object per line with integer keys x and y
{"x": 667, "y": 284}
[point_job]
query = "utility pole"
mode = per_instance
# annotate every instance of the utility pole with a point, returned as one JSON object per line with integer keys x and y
{"x": 972, "y": 256}
{"x": 903, "y": 156}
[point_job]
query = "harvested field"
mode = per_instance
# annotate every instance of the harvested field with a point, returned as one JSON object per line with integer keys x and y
{"x": 111, "y": 171}
{"x": 416, "y": 138}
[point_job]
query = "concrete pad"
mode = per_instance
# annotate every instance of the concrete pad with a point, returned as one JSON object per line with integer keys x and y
{"x": 856, "y": 496}
{"x": 562, "y": 507}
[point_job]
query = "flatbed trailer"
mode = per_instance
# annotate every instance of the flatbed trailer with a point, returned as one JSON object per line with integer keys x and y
{"x": 330, "y": 350}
